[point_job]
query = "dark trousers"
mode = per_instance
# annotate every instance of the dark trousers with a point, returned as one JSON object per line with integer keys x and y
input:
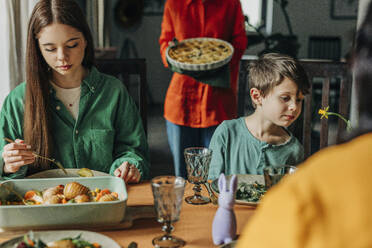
{"x": 181, "y": 137}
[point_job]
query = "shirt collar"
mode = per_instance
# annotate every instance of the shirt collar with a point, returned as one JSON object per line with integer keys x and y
{"x": 91, "y": 79}
{"x": 190, "y": 1}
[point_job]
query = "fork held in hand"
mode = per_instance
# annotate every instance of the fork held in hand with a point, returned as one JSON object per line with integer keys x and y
{"x": 42, "y": 157}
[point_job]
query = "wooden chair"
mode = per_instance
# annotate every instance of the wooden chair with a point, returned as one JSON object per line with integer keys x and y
{"x": 332, "y": 77}
{"x": 123, "y": 69}
{"x": 326, "y": 71}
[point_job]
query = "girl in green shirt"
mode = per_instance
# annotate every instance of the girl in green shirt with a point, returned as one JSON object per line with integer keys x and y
{"x": 67, "y": 109}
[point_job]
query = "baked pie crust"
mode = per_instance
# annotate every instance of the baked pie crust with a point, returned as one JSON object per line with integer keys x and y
{"x": 200, "y": 51}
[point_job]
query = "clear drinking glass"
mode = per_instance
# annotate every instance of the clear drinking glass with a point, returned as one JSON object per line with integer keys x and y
{"x": 168, "y": 193}
{"x": 273, "y": 175}
{"x": 197, "y": 166}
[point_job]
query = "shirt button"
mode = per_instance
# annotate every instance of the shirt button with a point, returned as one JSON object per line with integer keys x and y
{"x": 58, "y": 107}
{"x": 76, "y": 131}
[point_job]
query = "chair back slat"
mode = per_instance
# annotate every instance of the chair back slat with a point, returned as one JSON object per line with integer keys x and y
{"x": 124, "y": 68}
{"x": 324, "y": 121}
{"x": 344, "y": 104}
{"x": 243, "y": 86}
{"x": 306, "y": 134}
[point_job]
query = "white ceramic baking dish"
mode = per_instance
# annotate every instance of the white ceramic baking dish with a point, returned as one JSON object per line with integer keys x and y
{"x": 70, "y": 214}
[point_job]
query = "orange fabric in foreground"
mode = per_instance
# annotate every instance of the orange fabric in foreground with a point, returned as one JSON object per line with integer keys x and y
{"x": 188, "y": 102}
{"x": 326, "y": 204}
{"x": 194, "y": 226}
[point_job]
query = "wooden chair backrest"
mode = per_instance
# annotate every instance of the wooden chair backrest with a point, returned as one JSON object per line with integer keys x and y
{"x": 124, "y": 68}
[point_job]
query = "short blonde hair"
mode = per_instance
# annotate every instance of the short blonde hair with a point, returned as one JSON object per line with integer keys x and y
{"x": 270, "y": 70}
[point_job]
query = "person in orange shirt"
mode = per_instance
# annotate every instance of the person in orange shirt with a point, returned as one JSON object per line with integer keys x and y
{"x": 327, "y": 203}
{"x": 193, "y": 109}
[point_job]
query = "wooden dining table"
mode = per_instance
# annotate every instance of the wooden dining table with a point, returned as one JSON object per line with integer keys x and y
{"x": 194, "y": 225}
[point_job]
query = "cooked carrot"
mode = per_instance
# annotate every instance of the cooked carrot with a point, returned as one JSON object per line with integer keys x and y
{"x": 103, "y": 192}
{"x": 29, "y": 194}
{"x": 31, "y": 243}
{"x": 64, "y": 201}
{"x": 96, "y": 245}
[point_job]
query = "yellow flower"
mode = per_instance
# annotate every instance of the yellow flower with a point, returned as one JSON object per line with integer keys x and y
{"x": 323, "y": 112}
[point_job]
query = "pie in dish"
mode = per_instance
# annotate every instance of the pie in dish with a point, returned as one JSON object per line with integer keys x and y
{"x": 200, "y": 51}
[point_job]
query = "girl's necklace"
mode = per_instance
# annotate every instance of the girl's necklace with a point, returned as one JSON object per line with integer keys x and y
{"x": 66, "y": 97}
{"x": 74, "y": 101}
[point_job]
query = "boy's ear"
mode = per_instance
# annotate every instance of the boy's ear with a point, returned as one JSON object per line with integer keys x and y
{"x": 256, "y": 96}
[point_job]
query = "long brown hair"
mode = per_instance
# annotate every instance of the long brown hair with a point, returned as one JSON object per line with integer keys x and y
{"x": 37, "y": 114}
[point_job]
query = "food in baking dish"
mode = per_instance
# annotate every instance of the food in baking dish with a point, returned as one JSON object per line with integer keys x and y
{"x": 200, "y": 51}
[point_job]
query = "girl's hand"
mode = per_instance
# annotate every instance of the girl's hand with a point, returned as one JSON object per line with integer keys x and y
{"x": 128, "y": 172}
{"x": 16, "y": 155}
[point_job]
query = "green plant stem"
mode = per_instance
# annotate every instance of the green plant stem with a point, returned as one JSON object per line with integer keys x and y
{"x": 343, "y": 118}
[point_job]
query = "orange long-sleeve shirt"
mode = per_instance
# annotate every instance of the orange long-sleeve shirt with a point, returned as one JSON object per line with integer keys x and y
{"x": 189, "y": 102}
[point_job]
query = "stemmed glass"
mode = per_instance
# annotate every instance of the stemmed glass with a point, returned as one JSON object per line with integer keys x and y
{"x": 197, "y": 166}
{"x": 168, "y": 193}
{"x": 273, "y": 175}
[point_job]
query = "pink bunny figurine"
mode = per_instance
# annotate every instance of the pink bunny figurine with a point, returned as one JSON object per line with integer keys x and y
{"x": 224, "y": 222}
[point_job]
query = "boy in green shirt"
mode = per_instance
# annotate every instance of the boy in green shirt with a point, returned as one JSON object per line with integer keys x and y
{"x": 247, "y": 145}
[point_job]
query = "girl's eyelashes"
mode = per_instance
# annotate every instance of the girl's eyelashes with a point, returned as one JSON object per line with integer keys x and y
{"x": 54, "y": 49}
{"x": 74, "y": 45}
{"x": 50, "y": 49}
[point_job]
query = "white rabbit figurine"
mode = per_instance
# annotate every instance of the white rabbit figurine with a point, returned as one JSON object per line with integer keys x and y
{"x": 224, "y": 222}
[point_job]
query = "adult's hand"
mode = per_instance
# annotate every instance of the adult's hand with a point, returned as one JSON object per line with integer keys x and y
{"x": 128, "y": 172}
{"x": 16, "y": 155}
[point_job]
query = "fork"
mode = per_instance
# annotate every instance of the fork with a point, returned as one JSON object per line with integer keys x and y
{"x": 212, "y": 196}
{"x": 39, "y": 156}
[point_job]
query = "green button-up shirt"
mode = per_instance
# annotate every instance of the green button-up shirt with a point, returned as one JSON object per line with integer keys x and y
{"x": 107, "y": 132}
{"x": 236, "y": 151}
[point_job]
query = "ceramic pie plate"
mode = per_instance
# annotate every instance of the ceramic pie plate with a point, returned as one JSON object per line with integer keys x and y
{"x": 55, "y": 173}
{"x": 49, "y": 236}
{"x": 246, "y": 178}
{"x": 201, "y": 66}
